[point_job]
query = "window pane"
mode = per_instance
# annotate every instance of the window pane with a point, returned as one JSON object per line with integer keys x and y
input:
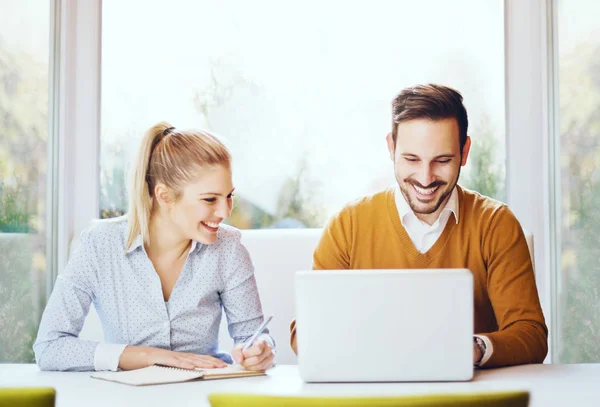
{"x": 579, "y": 202}
{"x": 302, "y": 92}
{"x": 24, "y": 47}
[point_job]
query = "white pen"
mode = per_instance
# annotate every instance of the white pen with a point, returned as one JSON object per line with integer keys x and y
{"x": 257, "y": 333}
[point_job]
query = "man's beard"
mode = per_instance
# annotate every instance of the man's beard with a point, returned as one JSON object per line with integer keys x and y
{"x": 443, "y": 198}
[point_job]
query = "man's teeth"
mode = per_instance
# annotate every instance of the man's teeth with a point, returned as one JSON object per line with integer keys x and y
{"x": 425, "y": 191}
{"x": 211, "y": 224}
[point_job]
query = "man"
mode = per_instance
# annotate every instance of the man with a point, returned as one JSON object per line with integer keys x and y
{"x": 428, "y": 221}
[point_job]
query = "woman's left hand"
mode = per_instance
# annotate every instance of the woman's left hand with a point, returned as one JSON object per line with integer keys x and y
{"x": 259, "y": 356}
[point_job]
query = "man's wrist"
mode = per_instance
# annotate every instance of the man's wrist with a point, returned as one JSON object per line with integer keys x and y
{"x": 480, "y": 345}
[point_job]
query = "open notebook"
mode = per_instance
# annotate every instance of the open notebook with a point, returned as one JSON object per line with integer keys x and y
{"x": 165, "y": 374}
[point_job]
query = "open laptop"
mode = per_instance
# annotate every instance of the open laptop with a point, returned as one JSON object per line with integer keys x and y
{"x": 385, "y": 325}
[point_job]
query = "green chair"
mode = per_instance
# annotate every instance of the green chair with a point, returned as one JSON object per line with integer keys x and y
{"x": 496, "y": 399}
{"x": 27, "y": 397}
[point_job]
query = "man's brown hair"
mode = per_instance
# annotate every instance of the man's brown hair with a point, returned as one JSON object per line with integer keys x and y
{"x": 433, "y": 102}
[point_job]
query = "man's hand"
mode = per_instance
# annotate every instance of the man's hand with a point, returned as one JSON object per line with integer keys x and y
{"x": 257, "y": 357}
{"x": 137, "y": 357}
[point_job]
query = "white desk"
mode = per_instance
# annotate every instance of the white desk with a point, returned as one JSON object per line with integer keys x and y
{"x": 550, "y": 385}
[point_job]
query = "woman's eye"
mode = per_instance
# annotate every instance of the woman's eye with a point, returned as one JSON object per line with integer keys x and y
{"x": 210, "y": 200}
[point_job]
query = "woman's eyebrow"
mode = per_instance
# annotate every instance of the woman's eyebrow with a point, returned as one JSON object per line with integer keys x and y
{"x": 216, "y": 193}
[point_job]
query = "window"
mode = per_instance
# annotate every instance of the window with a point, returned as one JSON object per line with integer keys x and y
{"x": 24, "y": 55}
{"x": 578, "y": 301}
{"x": 302, "y": 92}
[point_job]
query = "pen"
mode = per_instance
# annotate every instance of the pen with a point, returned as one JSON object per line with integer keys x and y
{"x": 257, "y": 333}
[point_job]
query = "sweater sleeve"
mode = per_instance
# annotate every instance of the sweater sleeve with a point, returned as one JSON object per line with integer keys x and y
{"x": 332, "y": 252}
{"x": 522, "y": 335}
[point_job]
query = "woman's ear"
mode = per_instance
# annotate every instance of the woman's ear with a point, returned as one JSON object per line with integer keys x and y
{"x": 162, "y": 195}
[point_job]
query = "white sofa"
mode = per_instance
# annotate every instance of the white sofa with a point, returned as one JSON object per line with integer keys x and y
{"x": 277, "y": 254}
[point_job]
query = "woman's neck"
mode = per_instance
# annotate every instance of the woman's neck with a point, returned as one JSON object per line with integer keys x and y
{"x": 165, "y": 239}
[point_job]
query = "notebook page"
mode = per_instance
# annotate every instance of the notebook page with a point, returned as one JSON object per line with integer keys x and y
{"x": 149, "y": 375}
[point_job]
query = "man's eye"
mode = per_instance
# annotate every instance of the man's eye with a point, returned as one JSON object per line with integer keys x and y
{"x": 412, "y": 160}
{"x": 443, "y": 161}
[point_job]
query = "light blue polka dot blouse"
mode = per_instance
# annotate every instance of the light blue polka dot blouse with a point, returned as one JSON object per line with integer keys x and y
{"x": 126, "y": 291}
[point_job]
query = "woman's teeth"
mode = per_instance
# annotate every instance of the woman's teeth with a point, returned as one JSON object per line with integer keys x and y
{"x": 211, "y": 224}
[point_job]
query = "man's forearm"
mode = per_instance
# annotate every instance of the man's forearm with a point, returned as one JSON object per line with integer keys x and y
{"x": 523, "y": 342}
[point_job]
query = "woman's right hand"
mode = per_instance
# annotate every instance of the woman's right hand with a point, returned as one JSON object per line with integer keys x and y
{"x": 137, "y": 357}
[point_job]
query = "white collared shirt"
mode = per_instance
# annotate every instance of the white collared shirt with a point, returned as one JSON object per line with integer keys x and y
{"x": 424, "y": 237}
{"x": 127, "y": 293}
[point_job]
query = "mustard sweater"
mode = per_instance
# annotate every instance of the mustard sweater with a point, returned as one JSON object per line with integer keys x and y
{"x": 488, "y": 240}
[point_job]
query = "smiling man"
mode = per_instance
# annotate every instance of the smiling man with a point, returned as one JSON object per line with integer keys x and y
{"x": 428, "y": 221}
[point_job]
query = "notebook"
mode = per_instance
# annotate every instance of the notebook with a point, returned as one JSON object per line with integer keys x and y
{"x": 164, "y": 374}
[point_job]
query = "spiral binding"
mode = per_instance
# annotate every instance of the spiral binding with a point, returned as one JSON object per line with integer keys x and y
{"x": 178, "y": 368}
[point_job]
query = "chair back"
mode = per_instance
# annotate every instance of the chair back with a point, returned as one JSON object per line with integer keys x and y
{"x": 27, "y": 397}
{"x": 491, "y": 399}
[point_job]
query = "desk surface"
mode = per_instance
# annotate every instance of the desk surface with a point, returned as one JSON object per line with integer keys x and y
{"x": 550, "y": 385}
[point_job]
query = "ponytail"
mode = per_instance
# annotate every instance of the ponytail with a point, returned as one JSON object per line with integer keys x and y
{"x": 140, "y": 196}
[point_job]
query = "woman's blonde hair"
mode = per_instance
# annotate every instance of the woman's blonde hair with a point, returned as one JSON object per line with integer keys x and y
{"x": 172, "y": 157}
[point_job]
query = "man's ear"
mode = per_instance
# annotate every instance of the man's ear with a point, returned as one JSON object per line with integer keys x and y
{"x": 391, "y": 146}
{"x": 465, "y": 152}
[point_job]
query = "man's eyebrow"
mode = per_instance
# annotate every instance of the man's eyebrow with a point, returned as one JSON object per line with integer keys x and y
{"x": 437, "y": 157}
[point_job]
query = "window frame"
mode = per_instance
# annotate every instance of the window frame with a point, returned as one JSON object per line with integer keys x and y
{"x": 530, "y": 60}
{"x": 530, "y": 103}
{"x": 78, "y": 128}
{"x": 53, "y": 146}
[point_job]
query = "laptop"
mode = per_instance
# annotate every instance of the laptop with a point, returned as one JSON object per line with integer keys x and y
{"x": 385, "y": 325}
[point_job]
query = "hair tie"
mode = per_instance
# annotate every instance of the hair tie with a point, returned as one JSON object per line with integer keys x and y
{"x": 155, "y": 142}
{"x": 167, "y": 131}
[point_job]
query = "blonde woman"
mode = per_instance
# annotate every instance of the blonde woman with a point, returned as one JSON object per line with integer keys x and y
{"x": 160, "y": 276}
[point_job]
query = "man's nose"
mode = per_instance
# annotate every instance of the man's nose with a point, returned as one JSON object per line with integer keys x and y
{"x": 425, "y": 176}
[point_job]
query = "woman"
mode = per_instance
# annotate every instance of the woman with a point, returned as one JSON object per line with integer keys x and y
{"x": 160, "y": 275}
